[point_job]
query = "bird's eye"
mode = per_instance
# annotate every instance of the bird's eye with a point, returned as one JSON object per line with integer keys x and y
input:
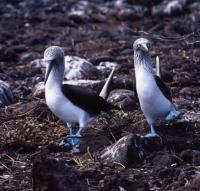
{"x": 138, "y": 46}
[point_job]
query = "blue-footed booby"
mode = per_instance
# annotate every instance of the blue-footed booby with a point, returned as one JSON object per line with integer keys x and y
{"x": 72, "y": 104}
{"x": 154, "y": 96}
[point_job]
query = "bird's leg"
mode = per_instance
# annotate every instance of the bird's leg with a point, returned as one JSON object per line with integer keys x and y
{"x": 69, "y": 125}
{"x": 67, "y": 142}
{"x": 152, "y": 133}
{"x": 77, "y": 137}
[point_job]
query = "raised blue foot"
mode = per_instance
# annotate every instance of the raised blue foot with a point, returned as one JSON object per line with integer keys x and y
{"x": 172, "y": 115}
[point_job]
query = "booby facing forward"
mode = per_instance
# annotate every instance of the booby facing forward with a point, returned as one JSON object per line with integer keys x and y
{"x": 72, "y": 104}
{"x": 154, "y": 97}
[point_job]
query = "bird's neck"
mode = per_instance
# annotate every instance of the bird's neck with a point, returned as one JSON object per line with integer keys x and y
{"x": 55, "y": 78}
{"x": 142, "y": 61}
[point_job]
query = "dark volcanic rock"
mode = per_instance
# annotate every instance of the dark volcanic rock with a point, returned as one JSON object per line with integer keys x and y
{"x": 118, "y": 151}
{"x": 165, "y": 159}
{"x": 52, "y": 174}
{"x": 124, "y": 82}
{"x": 130, "y": 150}
{"x": 191, "y": 156}
{"x": 125, "y": 99}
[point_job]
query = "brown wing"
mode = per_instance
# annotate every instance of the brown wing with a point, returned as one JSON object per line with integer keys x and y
{"x": 86, "y": 99}
{"x": 163, "y": 88}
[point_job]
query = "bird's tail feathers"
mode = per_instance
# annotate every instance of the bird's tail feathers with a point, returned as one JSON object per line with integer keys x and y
{"x": 105, "y": 90}
{"x": 158, "y": 69}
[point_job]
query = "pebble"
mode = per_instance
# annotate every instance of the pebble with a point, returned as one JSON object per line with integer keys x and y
{"x": 6, "y": 95}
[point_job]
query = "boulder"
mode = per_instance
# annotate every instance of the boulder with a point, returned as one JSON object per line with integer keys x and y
{"x": 77, "y": 68}
{"x": 125, "y": 99}
{"x": 130, "y": 150}
{"x": 55, "y": 174}
{"x": 123, "y": 82}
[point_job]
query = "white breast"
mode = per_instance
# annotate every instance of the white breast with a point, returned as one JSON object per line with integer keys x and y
{"x": 63, "y": 108}
{"x": 153, "y": 103}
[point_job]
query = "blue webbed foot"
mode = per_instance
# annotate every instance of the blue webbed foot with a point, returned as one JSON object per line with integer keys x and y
{"x": 65, "y": 144}
{"x": 71, "y": 143}
{"x": 172, "y": 115}
{"x": 152, "y": 134}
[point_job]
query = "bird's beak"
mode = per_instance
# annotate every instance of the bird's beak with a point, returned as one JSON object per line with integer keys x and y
{"x": 144, "y": 47}
{"x": 49, "y": 64}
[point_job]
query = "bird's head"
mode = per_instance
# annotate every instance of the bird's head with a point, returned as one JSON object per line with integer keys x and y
{"x": 141, "y": 45}
{"x": 53, "y": 58}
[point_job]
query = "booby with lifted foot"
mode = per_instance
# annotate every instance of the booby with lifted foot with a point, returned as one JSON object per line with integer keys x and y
{"x": 72, "y": 104}
{"x": 154, "y": 96}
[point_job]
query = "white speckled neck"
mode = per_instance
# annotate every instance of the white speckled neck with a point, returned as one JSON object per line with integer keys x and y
{"x": 142, "y": 59}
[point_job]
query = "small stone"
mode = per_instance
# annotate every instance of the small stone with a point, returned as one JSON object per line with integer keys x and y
{"x": 6, "y": 95}
{"x": 125, "y": 99}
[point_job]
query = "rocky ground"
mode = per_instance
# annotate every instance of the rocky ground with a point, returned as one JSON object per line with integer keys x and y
{"x": 102, "y": 33}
